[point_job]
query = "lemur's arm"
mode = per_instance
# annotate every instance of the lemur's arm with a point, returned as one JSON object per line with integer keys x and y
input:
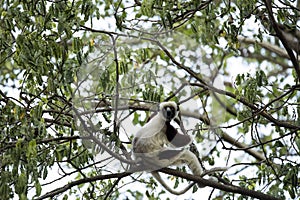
{"x": 175, "y": 138}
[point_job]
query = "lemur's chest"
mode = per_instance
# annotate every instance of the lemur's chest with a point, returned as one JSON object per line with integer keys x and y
{"x": 150, "y": 144}
{"x": 160, "y": 139}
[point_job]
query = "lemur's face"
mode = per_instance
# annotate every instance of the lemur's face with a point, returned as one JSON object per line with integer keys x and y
{"x": 169, "y": 110}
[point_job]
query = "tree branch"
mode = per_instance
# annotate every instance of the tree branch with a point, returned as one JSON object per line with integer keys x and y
{"x": 282, "y": 38}
{"x": 228, "y": 187}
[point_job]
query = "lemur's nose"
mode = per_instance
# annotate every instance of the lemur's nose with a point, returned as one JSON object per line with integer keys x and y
{"x": 169, "y": 112}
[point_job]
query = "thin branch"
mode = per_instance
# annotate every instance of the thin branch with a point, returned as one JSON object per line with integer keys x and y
{"x": 116, "y": 125}
{"x": 176, "y": 92}
{"x": 81, "y": 181}
{"x": 266, "y": 142}
{"x": 112, "y": 188}
{"x": 266, "y": 45}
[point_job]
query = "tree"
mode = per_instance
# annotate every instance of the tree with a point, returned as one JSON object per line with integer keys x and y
{"x": 78, "y": 78}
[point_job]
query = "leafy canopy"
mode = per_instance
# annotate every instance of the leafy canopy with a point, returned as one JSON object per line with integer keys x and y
{"x": 78, "y": 78}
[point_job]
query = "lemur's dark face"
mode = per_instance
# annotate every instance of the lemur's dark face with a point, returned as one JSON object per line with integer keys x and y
{"x": 169, "y": 110}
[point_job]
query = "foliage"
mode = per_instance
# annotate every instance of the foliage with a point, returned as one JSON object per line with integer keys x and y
{"x": 78, "y": 78}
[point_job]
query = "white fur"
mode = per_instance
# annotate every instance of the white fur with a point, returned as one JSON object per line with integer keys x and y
{"x": 151, "y": 140}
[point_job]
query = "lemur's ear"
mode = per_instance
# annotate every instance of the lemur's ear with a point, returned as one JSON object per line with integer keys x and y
{"x": 155, "y": 110}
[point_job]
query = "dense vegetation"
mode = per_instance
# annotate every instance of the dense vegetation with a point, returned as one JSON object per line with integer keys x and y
{"x": 78, "y": 78}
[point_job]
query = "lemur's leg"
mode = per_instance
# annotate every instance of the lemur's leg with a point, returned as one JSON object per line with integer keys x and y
{"x": 166, "y": 186}
{"x": 189, "y": 158}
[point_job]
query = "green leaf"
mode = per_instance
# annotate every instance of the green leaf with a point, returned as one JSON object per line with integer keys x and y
{"x": 65, "y": 197}
{"x": 21, "y": 184}
{"x": 31, "y": 150}
{"x": 136, "y": 117}
{"x": 195, "y": 188}
{"x": 38, "y": 188}
{"x": 176, "y": 183}
{"x": 45, "y": 173}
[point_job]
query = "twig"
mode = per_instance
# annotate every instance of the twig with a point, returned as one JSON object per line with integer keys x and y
{"x": 111, "y": 189}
